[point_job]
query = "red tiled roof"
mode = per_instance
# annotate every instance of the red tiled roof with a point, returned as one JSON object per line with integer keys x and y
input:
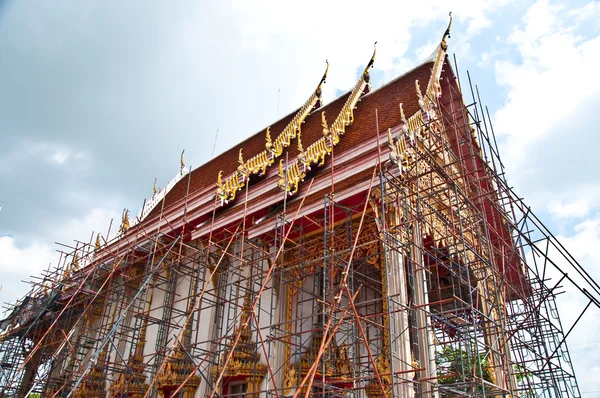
{"x": 385, "y": 99}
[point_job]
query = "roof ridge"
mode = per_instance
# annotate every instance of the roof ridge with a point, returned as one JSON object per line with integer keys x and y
{"x": 318, "y": 150}
{"x": 259, "y": 163}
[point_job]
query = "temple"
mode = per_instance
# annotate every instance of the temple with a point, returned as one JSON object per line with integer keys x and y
{"x": 369, "y": 247}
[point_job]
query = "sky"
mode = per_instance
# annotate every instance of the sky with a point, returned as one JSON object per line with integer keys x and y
{"x": 99, "y": 98}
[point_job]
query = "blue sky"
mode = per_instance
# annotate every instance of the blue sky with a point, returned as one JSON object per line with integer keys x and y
{"x": 99, "y": 98}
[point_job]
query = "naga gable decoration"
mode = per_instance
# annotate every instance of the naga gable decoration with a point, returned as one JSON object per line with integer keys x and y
{"x": 273, "y": 149}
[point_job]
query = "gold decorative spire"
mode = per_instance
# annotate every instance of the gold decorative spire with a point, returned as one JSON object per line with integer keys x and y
{"x": 433, "y": 89}
{"x": 75, "y": 263}
{"x": 242, "y": 169}
{"x": 98, "y": 244}
{"x": 155, "y": 189}
{"x": 324, "y": 124}
{"x": 318, "y": 150}
{"x": 419, "y": 95}
{"x": 268, "y": 141}
{"x": 182, "y": 163}
{"x": 281, "y": 175}
{"x": 95, "y": 383}
{"x": 318, "y": 91}
{"x": 444, "y": 44}
{"x": 300, "y": 149}
{"x": 135, "y": 385}
{"x": 178, "y": 367}
{"x": 371, "y": 62}
{"x": 273, "y": 148}
{"x": 124, "y": 221}
{"x": 244, "y": 361}
{"x": 402, "y": 116}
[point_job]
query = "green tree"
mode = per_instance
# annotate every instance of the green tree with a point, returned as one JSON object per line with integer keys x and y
{"x": 456, "y": 365}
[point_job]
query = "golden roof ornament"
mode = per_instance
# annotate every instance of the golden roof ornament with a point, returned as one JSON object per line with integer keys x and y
{"x": 281, "y": 182}
{"x": 134, "y": 384}
{"x": 155, "y": 189}
{"x": 318, "y": 91}
{"x": 177, "y": 367}
{"x": 98, "y": 243}
{"x": 370, "y": 64}
{"x": 94, "y": 384}
{"x": 268, "y": 141}
{"x": 182, "y": 163}
{"x": 75, "y": 263}
{"x": 244, "y": 357}
{"x": 444, "y": 43}
{"x": 324, "y": 124}
{"x": 318, "y": 150}
{"x": 258, "y": 163}
{"x": 300, "y": 149}
{"x": 419, "y": 95}
{"x": 124, "y": 221}
{"x": 242, "y": 169}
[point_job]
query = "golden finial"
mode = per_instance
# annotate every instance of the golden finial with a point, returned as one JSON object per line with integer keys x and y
{"x": 181, "y": 160}
{"x": 403, "y": 120}
{"x": 280, "y": 174}
{"x": 419, "y": 94}
{"x": 66, "y": 272}
{"x": 371, "y": 62}
{"x": 124, "y": 221}
{"x": 98, "y": 244}
{"x": 318, "y": 90}
{"x": 269, "y": 143}
{"x": 242, "y": 167}
{"x": 444, "y": 44}
{"x": 418, "y": 88}
{"x": 300, "y": 149}
{"x": 220, "y": 180}
{"x": 324, "y": 124}
{"x": 75, "y": 262}
{"x": 155, "y": 189}
{"x": 402, "y": 117}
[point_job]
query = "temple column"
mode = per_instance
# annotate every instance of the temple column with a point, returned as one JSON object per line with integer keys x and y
{"x": 398, "y": 320}
{"x": 425, "y": 335}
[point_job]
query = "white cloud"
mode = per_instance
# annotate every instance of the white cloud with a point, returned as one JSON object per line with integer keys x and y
{"x": 577, "y": 208}
{"x": 576, "y": 202}
{"x": 59, "y": 156}
{"x": 554, "y": 77}
{"x": 19, "y": 262}
{"x": 582, "y": 244}
{"x": 548, "y": 86}
{"x": 346, "y": 32}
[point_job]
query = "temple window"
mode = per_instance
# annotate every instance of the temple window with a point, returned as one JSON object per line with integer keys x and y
{"x": 236, "y": 389}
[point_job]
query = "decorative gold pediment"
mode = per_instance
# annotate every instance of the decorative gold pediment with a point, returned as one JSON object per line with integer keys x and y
{"x": 178, "y": 367}
{"x": 316, "y": 152}
{"x": 124, "y": 221}
{"x": 259, "y": 163}
{"x": 244, "y": 358}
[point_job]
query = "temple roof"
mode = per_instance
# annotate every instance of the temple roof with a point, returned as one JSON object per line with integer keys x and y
{"x": 385, "y": 100}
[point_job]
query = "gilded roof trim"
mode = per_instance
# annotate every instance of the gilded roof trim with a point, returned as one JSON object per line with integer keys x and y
{"x": 258, "y": 164}
{"x": 316, "y": 152}
{"x": 433, "y": 90}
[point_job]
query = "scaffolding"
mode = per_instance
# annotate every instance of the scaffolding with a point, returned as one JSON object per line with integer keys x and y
{"x": 433, "y": 282}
